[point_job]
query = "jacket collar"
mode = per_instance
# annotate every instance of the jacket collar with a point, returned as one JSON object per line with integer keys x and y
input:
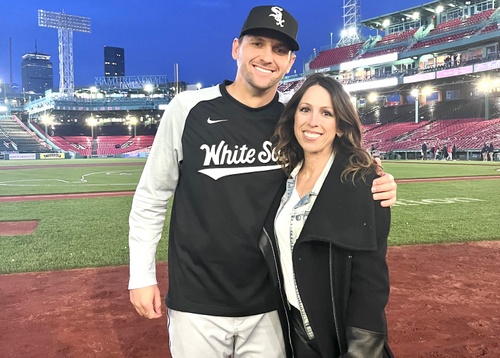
{"x": 343, "y": 213}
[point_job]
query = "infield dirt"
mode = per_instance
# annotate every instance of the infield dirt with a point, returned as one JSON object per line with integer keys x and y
{"x": 445, "y": 302}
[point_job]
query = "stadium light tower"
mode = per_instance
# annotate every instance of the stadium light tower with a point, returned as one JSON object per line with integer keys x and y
{"x": 65, "y": 24}
{"x": 351, "y": 34}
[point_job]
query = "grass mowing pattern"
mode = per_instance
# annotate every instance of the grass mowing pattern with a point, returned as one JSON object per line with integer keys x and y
{"x": 70, "y": 179}
{"x": 439, "y": 169}
{"x": 77, "y": 233}
{"x": 72, "y": 233}
{"x": 441, "y": 212}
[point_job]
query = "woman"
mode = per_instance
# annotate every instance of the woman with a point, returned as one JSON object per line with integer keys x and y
{"x": 330, "y": 234}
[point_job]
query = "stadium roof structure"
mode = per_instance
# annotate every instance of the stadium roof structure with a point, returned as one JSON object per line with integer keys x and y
{"x": 425, "y": 10}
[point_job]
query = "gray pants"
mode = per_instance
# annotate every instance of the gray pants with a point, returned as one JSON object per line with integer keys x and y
{"x": 195, "y": 335}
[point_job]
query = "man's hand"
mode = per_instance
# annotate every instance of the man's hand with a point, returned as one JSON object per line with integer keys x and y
{"x": 147, "y": 301}
{"x": 384, "y": 188}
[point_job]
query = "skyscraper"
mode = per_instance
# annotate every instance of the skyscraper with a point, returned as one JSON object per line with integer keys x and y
{"x": 114, "y": 61}
{"x": 36, "y": 73}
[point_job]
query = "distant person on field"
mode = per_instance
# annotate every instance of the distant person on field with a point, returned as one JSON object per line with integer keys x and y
{"x": 484, "y": 152}
{"x": 454, "y": 152}
{"x": 491, "y": 150}
{"x": 212, "y": 153}
{"x": 450, "y": 153}
{"x": 424, "y": 151}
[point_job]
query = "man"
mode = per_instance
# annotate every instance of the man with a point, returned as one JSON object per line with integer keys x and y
{"x": 212, "y": 151}
{"x": 484, "y": 152}
{"x": 490, "y": 151}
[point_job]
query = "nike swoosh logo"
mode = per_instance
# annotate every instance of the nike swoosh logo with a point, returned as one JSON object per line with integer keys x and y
{"x": 213, "y": 121}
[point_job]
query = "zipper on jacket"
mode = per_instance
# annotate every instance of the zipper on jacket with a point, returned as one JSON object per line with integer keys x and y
{"x": 303, "y": 314}
{"x": 281, "y": 289}
{"x": 335, "y": 320}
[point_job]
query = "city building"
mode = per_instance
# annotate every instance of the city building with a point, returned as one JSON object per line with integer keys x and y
{"x": 114, "y": 61}
{"x": 36, "y": 73}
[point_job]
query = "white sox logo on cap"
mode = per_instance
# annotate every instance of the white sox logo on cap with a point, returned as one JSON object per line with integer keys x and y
{"x": 278, "y": 15}
{"x": 274, "y": 18}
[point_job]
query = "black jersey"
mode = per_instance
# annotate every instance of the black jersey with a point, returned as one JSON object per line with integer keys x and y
{"x": 215, "y": 154}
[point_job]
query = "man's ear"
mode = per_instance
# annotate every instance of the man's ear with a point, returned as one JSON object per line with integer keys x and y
{"x": 235, "y": 48}
{"x": 291, "y": 61}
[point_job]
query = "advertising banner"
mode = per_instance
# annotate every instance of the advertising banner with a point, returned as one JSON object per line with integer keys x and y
{"x": 51, "y": 155}
{"x": 22, "y": 156}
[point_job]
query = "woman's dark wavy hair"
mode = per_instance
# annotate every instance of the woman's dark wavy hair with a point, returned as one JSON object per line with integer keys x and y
{"x": 348, "y": 124}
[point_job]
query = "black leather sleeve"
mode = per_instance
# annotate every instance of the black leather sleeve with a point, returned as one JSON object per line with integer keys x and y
{"x": 362, "y": 343}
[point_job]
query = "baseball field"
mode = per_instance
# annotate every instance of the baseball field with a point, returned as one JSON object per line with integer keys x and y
{"x": 64, "y": 251}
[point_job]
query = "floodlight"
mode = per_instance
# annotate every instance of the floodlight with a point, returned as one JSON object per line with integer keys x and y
{"x": 65, "y": 25}
{"x": 148, "y": 87}
{"x": 372, "y": 97}
{"x": 427, "y": 90}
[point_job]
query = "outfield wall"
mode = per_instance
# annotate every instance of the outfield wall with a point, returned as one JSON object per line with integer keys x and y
{"x": 31, "y": 156}
{"x": 70, "y": 155}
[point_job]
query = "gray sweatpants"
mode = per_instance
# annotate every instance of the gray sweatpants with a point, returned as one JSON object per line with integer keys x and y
{"x": 201, "y": 336}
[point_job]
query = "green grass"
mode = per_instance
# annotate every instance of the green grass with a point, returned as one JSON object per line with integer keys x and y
{"x": 438, "y": 169}
{"x": 71, "y": 233}
{"x": 73, "y": 162}
{"x": 76, "y": 233}
{"x": 440, "y": 212}
{"x": 69, "y": 176}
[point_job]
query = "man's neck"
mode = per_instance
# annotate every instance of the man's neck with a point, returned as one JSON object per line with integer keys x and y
{"x": 250, "y": 96}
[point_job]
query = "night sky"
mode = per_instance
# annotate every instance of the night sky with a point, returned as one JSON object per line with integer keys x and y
{"x": 157, "y": 34}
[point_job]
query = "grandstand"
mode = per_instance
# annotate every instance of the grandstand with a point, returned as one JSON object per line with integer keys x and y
{"x": 16, "y": 137}
{"x": 430, "y": 72}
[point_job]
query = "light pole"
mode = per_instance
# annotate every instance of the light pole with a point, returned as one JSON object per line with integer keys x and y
{"x": 485, "y": 86}
{"x": 46, "y": 120}
{"x": 91, "y": 121}
{"x": 331, "y": 40}
{"x": 486, "y": 105}
{"x": 414, "y": 93}
{"x": 133, "y": 121}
